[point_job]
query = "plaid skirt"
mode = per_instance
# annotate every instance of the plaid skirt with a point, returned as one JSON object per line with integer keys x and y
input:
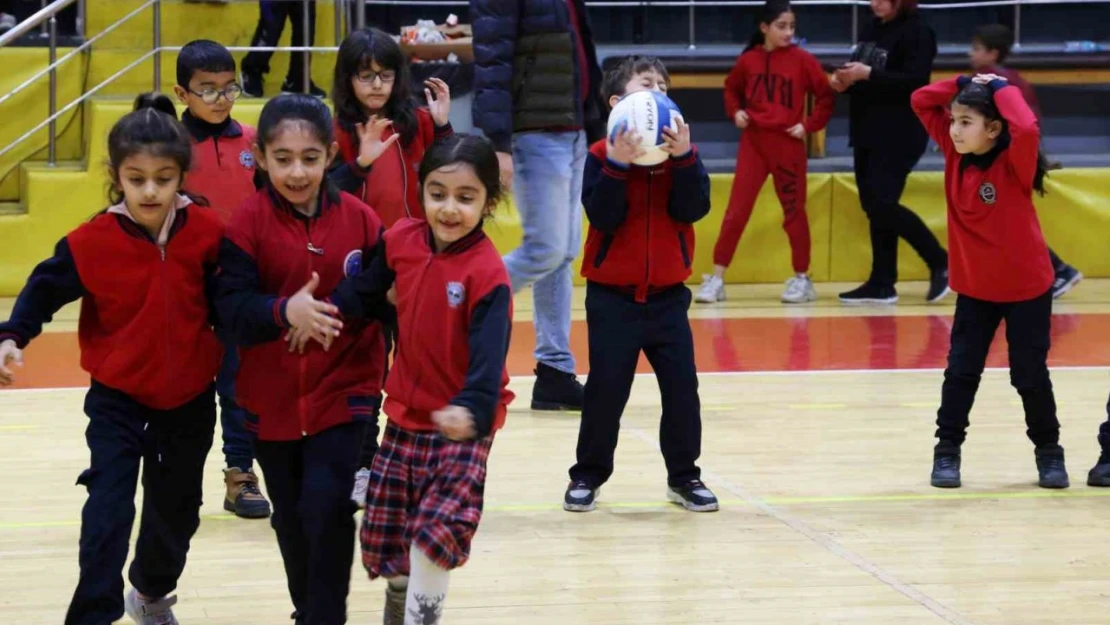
{"x": 424, "y": 491}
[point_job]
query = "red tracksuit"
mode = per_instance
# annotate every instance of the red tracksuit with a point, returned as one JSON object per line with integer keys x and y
{"x": 391, "y": 183}
{"x": 771, "y": 87}
{"x": 223, "y": 165}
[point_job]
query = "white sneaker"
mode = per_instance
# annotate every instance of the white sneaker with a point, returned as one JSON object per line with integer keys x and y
{"x": 712, "y": 290}
{"x": 362, "y": 482}
{"x": 799, "y": 290}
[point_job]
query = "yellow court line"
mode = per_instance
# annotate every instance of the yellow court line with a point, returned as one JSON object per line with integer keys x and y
{"x": 817, "y": 406}
{"x": 12, "y": 428}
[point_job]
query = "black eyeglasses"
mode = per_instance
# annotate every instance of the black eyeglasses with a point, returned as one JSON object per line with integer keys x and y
{"x": 209, "y": 95}
{"x": 367, "y": 76}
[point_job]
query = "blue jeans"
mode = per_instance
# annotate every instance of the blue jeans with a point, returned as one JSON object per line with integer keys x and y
{"x": 547, "y": 188}
{"x": 237, "y": 444}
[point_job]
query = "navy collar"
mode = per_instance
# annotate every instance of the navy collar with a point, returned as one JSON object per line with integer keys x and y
{"x": 985, "y": 160}
{"x": 202, "y": 130}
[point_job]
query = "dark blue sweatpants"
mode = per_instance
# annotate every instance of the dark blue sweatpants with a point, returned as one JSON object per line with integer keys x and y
{"x": 172, "y": 445}
{"x": 237, "y": 442}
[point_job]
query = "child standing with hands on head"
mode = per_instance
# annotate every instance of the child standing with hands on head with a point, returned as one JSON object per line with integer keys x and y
{"x": 143, "y": 270}
{"x": 638, "y": 253}
{"x": 998, "y": 261}
{"x": 765, "y": 96}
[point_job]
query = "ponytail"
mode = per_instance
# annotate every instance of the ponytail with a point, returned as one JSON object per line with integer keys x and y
{"x": 1042, "y": 171}
{"x": 157, "y": 101}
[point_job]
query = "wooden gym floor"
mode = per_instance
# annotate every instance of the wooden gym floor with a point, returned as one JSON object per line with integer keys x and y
{"x": 818, "y": 434}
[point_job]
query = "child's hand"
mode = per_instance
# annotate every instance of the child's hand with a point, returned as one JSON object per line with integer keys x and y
{"x": 626, "y": 147}
{"x": 741, "y": 119}
{"x": 455, "y": 422}
{"x": 370, "y": 144}
{"x": 391, "y": 295}
{"x": 440, "y": 106}
{"x": 9, "y": 354}
{"x": 797, "y": 131}
{"x": 307, "y": 314}
{"x": 358, "y": 493}
{"x": 298, "y": 339}
{"x": 677, "y": 142}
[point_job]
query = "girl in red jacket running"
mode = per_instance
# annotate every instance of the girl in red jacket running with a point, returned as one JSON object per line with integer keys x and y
{"x": 998, "y": 260}
{"x": 765, "y": 95}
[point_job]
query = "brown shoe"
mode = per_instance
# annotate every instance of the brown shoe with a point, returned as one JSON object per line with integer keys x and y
{"x": 394, "y": 612}
{"x": 243, "y": 497}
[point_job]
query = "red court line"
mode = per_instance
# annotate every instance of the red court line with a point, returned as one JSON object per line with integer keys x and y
{"x": 730, "y": 345}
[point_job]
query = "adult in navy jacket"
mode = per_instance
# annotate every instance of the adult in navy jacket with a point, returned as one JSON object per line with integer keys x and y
{"x": 536, "y": 97}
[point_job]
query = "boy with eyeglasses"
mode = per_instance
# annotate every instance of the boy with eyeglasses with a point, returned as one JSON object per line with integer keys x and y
{"x": 223, "y": 172}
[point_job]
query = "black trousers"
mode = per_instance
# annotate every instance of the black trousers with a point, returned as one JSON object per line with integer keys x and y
{"x": 271, "y": 23}
{"x": 1028, "y": 326}
{"x": 881, "y": 178}
{"x": 172, "y": 446}
{"x": 618, "y": 330}
{"x": 309, "y": 482}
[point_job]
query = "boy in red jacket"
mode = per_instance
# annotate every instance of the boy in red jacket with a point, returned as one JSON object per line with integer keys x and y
{"x": 638, "y": 252}
{"x": 222, "y": 173}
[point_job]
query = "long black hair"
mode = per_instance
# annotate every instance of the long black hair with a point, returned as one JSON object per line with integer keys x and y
{"x": 770, "y": 12}
{"x": 475, "y": 151}
{"x": 152, "y": 127}
{"x": 356, "y": 53}
{"x": 980, "y": 98}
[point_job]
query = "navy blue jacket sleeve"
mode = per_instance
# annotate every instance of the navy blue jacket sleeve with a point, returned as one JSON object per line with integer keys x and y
{"x": 490, "y": 331}
{"x": 605, "y": 193}
{"x": 495, "y": 24}
{"x": 689, "y": 199}
{"x": 348, "y": 176}
{"x": 246, "y": 314}
{"x": 53, "y": 284}
{"x": 211, "y": 289}
{"x": 362, "y": 296}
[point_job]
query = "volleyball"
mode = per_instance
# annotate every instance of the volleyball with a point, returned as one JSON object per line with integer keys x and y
{"x": 648, "y": 113}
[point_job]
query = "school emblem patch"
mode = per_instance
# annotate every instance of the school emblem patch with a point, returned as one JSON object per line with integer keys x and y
{"x": 352, "y": 265}
{"x": 456, "y": 293}
{"x": 246, "y": 159}
{"x": 987, "y": 193}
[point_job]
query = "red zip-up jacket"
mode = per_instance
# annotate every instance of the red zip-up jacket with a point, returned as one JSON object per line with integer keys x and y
{"x": 223, "y": 168}
{"x": 145, "y": 317}
{"x": 772, "y": 87}
{"x": 996, "y": 251}
{"x": 641, "y": 234}
{"x": 454, "y": 320}
{"x": 391, "y": 184}
{"x": 269, "y": 253}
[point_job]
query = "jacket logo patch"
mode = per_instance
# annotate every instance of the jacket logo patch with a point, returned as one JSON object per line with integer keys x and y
{"x": 987, "y": 193}
{"x": 456, "y": 293}
{"x": 352, "y": 264}
{"x": 246, "y": 159}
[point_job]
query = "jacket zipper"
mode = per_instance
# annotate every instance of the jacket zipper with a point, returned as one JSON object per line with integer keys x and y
{"x": 301, "y": 363}
{"x": 216, "y": 144}
{"x": 166, "y": 303}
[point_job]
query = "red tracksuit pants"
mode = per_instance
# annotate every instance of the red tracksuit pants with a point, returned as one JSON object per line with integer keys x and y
{"x": 763, "y": 153}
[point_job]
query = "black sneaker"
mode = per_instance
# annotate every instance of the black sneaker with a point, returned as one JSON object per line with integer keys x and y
{"x": 580, "y": 497}
{"x": 938, "y": 285}
{"x": 1100, "y": 473}
{"x": 291, "y": 86}
{"x": 1066, "y": 278}
{"x": 1050, "y": 466}
{"x": 251, "y": 84}
{"x": 946, "y": 466}
{"x": 694, "y": 496}
{"x": 556, "y": 390}
{"x": 870, "y": 293}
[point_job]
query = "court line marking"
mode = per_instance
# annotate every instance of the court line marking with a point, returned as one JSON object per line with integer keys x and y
{"x": 8, "y": 428}
{"x": 826, "y": 543}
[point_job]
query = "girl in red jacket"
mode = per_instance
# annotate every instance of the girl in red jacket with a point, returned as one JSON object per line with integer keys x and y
{"x": 446, "y": 395}
{"x": 382, "y": 134}
{"x": 142, "y": 270}
{"x": 765, "y": 95}
{"x": 310, "y": 407}
{"x": 998, "y": 260}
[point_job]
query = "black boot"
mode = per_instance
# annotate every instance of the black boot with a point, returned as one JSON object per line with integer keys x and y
{"x": 1100, "y": 473}
{"x": 946, "y": 465}
{"x": 556, "y": 390}
{"x": 1050, "y": 466}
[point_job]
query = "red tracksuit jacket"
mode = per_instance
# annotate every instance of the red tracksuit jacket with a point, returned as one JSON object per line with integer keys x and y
{"x": 223, "y": 165}
{"x": 391, "y": 185}
{"x": 454, "y": 319}
{"x": 269, "y": 253}
{"x": 145, "y": 317}
{"x": 996, "y": 251}
{"x": 772, "y": 87}
{"x": 641, "y": 235}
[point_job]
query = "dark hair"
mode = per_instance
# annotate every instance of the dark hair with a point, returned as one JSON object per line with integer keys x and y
{"x": 202, "y": 55}
{"x": 152, "y": 128}
{"x": 473, "y": 150}
{"x": 356, "y": 53}
{"x": 296, "y": 107}
{"x": 616, "y": 78}
{"x": 996, "y": 38}
{"x": 770, "y": 12}
{"x": 980, "y": 98}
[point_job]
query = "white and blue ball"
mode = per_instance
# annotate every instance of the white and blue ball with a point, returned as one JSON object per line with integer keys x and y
{"x": 648, "y": 113}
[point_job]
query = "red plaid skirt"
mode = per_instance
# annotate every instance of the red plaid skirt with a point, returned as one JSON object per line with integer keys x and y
{"x": 424, "y": 491}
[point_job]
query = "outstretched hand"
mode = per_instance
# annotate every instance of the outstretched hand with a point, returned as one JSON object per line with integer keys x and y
{"x": 9, "y": 355}
{"x": 438, "y": 95}
{"x": 308, "y": 315}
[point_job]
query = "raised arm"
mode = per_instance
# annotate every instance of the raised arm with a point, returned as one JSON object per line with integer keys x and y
{"x": 1025, "y": 133}
{"x": 930, "y": 103}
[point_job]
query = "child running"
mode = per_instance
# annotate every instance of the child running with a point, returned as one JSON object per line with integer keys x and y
{"x": 765, "y": 95}
{"x": 143, "y": 269}
{"x": 311, "y": 405}
{"x": 998, "y": 261}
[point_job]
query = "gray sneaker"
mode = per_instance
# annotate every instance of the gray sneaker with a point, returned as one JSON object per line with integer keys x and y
{"x": 158, "y": 612}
